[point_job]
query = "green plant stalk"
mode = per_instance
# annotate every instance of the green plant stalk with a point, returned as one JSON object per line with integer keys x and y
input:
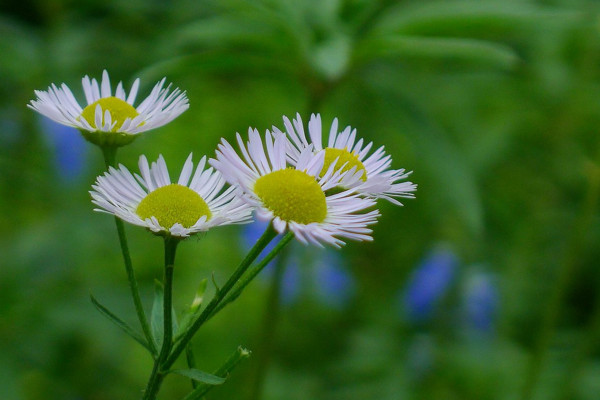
{"x": 565, "y": 273}
{"x": 109, "y": 154}
{"x": 191, "y": 362}
{"x": 158, "y": 374}
{"x": 223, "y": 372}
{"x": 252, "y": 272}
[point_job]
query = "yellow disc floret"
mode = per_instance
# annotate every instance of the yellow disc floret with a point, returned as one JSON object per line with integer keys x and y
{"x": 344, "y": 157}
{"x": 119, "y": 110}
{"x": 292, "y": 195}
{"x": 173, "y": 204}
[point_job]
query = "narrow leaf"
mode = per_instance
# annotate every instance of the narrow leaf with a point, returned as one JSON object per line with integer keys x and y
{"x": 200, "y": 376}
{"x": 120, "y": 323}
{"x": 225, "y": 369}
{"x": 156, "y": 319}
{"x": 463, "y": 49}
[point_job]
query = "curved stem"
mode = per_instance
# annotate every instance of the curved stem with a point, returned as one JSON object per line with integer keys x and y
{"x": 255, "y": 270}
{"x": 109, "y": 154}
{"x": 264, "y": 240}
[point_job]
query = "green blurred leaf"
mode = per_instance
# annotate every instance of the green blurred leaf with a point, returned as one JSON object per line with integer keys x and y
{"x": 120, "y": 323}
{"x": 200, "y": 376}
{"x": 455, "y": 181}
{"x": 21, "y": 52}
{"x": 220, "y": 31}
{"x": 410, "y": 47}
{"x": 470, "y": 16}
{"x": 331, "y": 57}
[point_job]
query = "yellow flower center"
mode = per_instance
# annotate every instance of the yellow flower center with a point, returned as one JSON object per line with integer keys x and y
{"x": 345, "y": 157}
{"x": 119, "y": 110}
{"x": 173, "y": 204}
{"x": 292, "y": 195}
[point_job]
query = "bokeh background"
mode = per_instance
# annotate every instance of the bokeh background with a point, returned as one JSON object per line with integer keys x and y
{"x": 483, "y": 287}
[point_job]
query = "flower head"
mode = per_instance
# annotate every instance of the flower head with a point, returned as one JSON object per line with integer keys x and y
{"x": 177, "y": 209}
{"x": 110, "y": 119}
{"x": 294, "y": 197}
{"x": 368, "y": 174}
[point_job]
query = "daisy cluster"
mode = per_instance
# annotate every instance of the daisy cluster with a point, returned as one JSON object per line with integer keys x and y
{"x": 323, "y": 194}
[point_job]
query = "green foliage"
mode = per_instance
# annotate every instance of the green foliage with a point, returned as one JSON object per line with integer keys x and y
{"x": 493, "y": 104}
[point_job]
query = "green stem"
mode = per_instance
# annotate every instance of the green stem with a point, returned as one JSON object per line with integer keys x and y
{"x": 191, "y": 361}
{"x": 565, "y": 273}
{"x": 223, "y": 372}
{"x": 158, "y": 374}
{"x": 264, "y": 240}
{"x": 110, "y": 160}
{"x": 252, "y": 272}
{"x": 268, "y": 328}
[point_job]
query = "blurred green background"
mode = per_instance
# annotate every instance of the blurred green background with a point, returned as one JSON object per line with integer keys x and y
{"x": 483, "y": 287}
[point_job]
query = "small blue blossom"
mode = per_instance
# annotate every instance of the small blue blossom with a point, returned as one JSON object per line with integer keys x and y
{"x": 335, "y": 287}
{"x": 480, "y": 302}
{"x": 314, "y": 272}
{"x": 252, "y": 232}
{"x": 428, "y": 285}
{"x": 68, "y": 147}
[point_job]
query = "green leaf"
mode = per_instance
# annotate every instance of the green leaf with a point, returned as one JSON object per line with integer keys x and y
{"x": 200, "y": 376}
{"x": 331, "y": 57}
{"x": 472, "y": 17}
{"x": 225, "y": 369}
{"x": 120, "y": 323}
{"x": 461, "y": 49}
{"x": 156, "y": 319}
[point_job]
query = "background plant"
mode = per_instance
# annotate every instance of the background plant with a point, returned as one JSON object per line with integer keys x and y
{"x": 493, "y": 104}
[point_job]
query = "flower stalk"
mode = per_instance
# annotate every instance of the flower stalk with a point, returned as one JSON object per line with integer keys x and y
{"x": 109, "y": 154}
{"x": 158, "y": 373}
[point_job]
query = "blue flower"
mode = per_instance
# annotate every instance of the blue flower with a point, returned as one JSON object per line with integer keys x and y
{"x": 335, "y": 287}
{"x": 428, "y": 284}
{"x": 314, "y": 272}
{"x": 68, "y": 147}
{"x": 252, "y": 232}
{"x": 480, "y": 302}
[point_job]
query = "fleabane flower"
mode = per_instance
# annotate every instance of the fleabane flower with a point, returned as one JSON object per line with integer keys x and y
{"x": 178, "y": 209}
{"x": 110, "y": 119}
{"x": 369, "y": 175}
{"x": 294, "y": 197}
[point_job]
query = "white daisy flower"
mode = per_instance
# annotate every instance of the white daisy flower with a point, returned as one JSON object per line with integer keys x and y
{"x": 110, "y": 119}
{"x": 291, "y": 197}
{"x": 177, "y": 209}
{"x": 369, "y": 175}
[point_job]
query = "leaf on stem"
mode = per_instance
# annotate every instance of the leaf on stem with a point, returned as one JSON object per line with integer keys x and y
{"x": 225, "y": 369}
{"x": 200, "y": 376}
{"x": 214, "y": 282}
{"x": 120, "y": 323}
{"x": 157, "y": 317}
